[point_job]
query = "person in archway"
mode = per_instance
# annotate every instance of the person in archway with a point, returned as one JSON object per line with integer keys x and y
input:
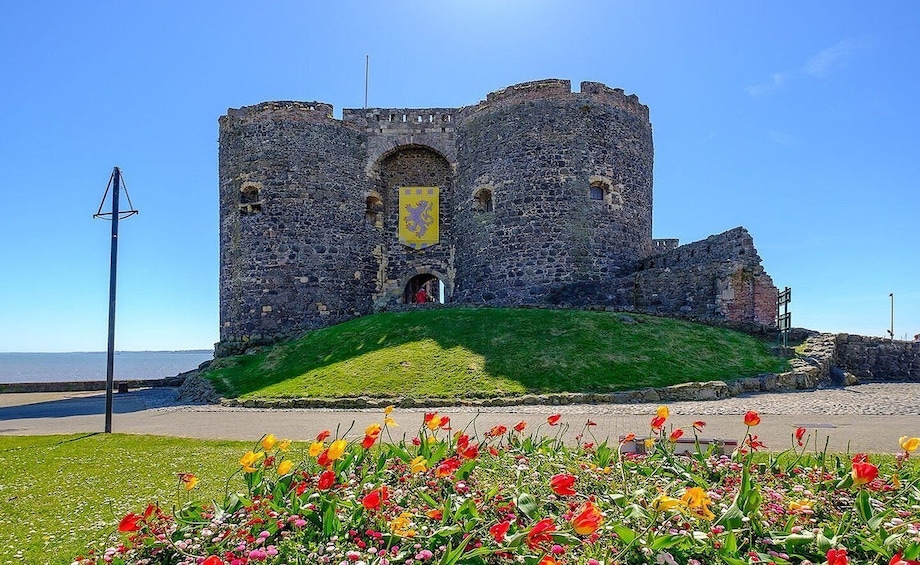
{"x": 421, "y": 296}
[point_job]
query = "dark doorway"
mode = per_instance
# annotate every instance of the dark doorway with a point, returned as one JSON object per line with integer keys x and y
{"x": 432, "y": 286}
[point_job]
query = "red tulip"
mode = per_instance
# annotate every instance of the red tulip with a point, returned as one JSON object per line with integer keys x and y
{"x": 554, "y": 419}
{"x": 587, "y": 520}
{"x": 548, "y": 560}
{"x": 326, "y": 480}
{"x": 863, "y": 473}
{"x": 562, "y": 484}
{"x": 519, "y": 427}
{"x": 799, "y": 434}
{"x": 837, "y": 557}
{"x": 322, "y": 435}
{"x": 375, "y": 498}
{"x": 751, "y": 418}
{"x": 658, "y": 422}
{"x": 499, "y": 530}
{"x": 130, "y": 523}
{"x": 497, "y": 431}
{"x": 541, "y": 532}
{"x": 675, "y": 435}
{"x": 898, "y": 560}
{"x": 213, "y": 560}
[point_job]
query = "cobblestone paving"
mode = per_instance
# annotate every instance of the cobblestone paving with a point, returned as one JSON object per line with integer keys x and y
{"x": 882, "y": 399}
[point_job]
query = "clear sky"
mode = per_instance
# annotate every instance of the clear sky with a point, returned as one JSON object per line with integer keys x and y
{"x": 797, "y": 120}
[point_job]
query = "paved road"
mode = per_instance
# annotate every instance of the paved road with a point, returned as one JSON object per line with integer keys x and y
{"x": 858, "y": 418}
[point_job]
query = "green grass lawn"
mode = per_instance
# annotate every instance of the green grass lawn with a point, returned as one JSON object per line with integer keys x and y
{"x": 62, "y": 494}
{"x": 462, "y": 353}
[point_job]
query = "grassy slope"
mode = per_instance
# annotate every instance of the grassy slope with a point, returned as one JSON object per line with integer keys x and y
{"x": 457, "y": 353}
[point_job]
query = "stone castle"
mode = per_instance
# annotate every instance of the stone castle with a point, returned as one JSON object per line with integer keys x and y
{"x": 535, "y": 196}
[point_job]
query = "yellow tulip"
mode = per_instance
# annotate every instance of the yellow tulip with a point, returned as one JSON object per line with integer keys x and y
{"x": 285, "y": 445}
{"x": 188, "y": 480}
{"x": 663, "y": 503}
{"x": 269, "y": 442}
{"x": 249, "y": 460}
{"x": 372, "y": 430}
{"x": 909, "y": 443}
{"x": 419, "y": 465}
{"x": 390, "y": 422}
{"x": 698, "y": 501}
{"x": 798, "y": 506}
{"x": 663, "y": 412}
{"x": 337, "y": 449}
{"x": 285, "y": 467}
{"x": 388, "y": 409}
{"x": 316, "y": 448}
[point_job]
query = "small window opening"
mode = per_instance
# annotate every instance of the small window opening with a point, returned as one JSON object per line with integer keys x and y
{"x": 430, "y": 118}
{"x": 482, "y": 201}
{"x": 419, "y": 119}
{"x": 373, "y": 214}
{"x": 598, "y": 191}
{"x": 405, "y": 117}
{"x": 249, "y": 199}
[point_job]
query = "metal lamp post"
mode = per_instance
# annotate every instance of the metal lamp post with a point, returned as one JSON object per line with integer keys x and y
{"x": 114, "y": 183}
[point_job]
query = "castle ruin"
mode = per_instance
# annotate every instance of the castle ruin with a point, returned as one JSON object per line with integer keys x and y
{"x": 535, "y": 196}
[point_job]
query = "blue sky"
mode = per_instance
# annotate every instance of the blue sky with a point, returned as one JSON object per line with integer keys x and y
{"x": 797, "y": 120}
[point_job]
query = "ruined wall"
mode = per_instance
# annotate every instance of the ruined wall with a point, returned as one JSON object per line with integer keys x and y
{"x": 292, "y": 239}
{"x": 874, "y": 359}
{"x": 720, "y": 277}
{"x": 538, "y": 150}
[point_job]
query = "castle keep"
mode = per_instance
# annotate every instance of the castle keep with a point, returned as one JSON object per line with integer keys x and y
{"x": 535, "y": 196}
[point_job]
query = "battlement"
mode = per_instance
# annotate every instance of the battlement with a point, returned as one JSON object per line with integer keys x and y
{"x": 313, "y": 112}
{"x": 402, "y": 120}
{"x": 560, "y": 89}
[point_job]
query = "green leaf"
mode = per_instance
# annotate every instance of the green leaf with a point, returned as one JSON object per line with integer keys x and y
{"x": 912, "y": 551}
{"x": 666, "y": 541}
{"x": 528, "y": 505}
{"x": 624, "y": 533}
{"x": 427, "y": 498}
{"x": 398, "y": 451}
{"x": 463, "y": 473}
{"x": 863, "y": 506}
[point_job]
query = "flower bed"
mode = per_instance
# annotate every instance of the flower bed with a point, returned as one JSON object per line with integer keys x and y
{"x": 509, "y": 496}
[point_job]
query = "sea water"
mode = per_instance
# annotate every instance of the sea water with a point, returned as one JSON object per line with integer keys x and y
{"x": 128, "y": 365}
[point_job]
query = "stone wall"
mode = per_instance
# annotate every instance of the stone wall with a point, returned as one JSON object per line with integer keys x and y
{"x": 876, "y": 359}
{"x": 720, "y": 277}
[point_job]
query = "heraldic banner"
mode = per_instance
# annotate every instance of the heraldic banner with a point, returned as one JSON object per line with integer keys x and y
{"x": 418, "y": 216}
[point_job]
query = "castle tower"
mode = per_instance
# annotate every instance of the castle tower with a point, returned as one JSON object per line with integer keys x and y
{"x": 568, "y": 181}
{"x": 293, "y": 245}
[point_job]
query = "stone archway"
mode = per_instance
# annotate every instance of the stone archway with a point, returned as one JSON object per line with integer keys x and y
{"x": 434, "y": 286}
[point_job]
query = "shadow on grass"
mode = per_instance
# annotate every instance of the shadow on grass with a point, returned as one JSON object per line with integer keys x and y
{"x": 543, "y": 351}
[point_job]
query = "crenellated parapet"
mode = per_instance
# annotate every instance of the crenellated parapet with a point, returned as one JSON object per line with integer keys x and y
{"x": 280, "y": 111}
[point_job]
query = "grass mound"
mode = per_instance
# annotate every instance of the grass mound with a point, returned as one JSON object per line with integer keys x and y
{"x": 463, "y": 353}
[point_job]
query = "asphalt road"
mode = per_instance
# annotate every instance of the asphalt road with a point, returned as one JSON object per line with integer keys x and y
{"x": 863, "y": 418}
